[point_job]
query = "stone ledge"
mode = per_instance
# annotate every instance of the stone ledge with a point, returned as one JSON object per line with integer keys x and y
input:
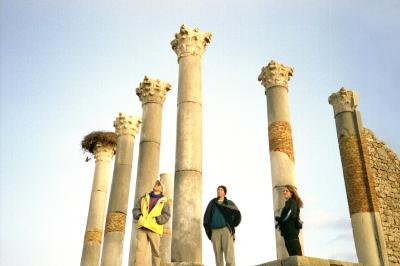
{"x": 184, "y": 264}
{"x": 308, "y": 261}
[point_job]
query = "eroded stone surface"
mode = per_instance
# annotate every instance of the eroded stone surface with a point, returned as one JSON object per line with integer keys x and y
{"x": 126, "y": 128}
{"x": 126, "y": 124}
{"x": 165, "y": 245}
{"x": 343, "y": 100}
{"x": 359, "y": 180}
{"x": 189, "y": 45}
{"x": 309, "y": 261}
{"x": 152, "y": 90}
{"x": 280, "y": 138}
{"x": 355, "y": 176}
{"x": 385, "y": 165}
{"x": 190, "y": 41}
{"x": 275, "y": 77}
{"x": 152, "y": 93}
{"x": 275, "y": 74}
{"x": 95, "y": 221}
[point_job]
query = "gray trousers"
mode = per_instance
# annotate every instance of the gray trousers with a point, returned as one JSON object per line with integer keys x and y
{"x": 144, "y": 237}
{"x": 222, "y": 241}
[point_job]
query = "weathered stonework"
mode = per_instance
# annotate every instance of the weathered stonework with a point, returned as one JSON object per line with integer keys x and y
{"x": 115, "y": 222}
{"x": 275, "y": 74}
{"x": 343, "y": 100}
{"x": 95, "y": 236}
{"x": 308, "y": 261}
{"x": 385, "y": 165}
{"x": 103, "y": 147}
{"x": 165, "y": 244}
{"x": 275, "y": 78}
{"x": 355, "y": 176}
{"x": 126, "y": 125}
{"x": 152, "y": 90}
{"x": 104, "y": 152}
{"x": 280, "y": 138}
{"x": 152, "y": 94}
{"x": 359, "y": 181}
{"x": 189, "y": 45}
{"x": 126, "y": 128}
{"x": 190, "y": 41}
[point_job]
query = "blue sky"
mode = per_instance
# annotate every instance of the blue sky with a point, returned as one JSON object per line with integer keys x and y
{"x": 68, "y": 67}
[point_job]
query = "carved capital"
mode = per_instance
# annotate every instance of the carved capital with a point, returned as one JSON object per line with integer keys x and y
{"x": 152, "y": 90}
{"x": 190, "y": 41}
{"x": 126, "y": 125}
{"x": 104, "y": 152}
{"x": 275, "y": 74}
{"x": 343, "y": 101}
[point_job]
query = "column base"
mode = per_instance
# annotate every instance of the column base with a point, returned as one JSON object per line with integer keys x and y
{"x": 308, "y": 261}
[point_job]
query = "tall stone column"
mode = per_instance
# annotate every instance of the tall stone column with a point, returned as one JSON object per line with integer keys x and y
{"x": 189, "y": 45}
{"x": 165, "y": 246}
{"x": 152, "y": 94}
{"x": 274, "y": 77}
{"x": 102, "y": 145}
{"x": 126, "y": 128}
{"x": 359, "y": 180}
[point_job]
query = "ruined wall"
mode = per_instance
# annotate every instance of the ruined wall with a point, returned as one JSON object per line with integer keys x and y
{"x": 385, "y": 166}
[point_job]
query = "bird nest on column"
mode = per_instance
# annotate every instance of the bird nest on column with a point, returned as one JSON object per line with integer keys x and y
{"x": 104, "y": 138}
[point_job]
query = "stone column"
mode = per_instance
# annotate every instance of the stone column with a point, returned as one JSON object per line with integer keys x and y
{"x": 126, "y": 128}
{"x": 165, "y": 246}
{"x": 274, "y": 77}
{"x": 189, "y": 45}
{"x": 359, "y": 181}
{"x": 102, "y": 146}
{"x": 152, "y": 94}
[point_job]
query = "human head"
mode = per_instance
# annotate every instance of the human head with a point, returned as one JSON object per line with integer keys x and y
{"x": 158, "y": 187}
{"x": 290, "y": 191}
{"x": 221, "y": 191}
{"x": 287, "y": 194}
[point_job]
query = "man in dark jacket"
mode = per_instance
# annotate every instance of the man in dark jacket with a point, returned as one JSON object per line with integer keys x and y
{"x": 220, "y": 219}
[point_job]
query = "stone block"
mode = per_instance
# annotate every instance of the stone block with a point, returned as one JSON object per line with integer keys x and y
{"x": 184, "y": 264}
{"x": 280, "y": 138}
{"x": 308, "y": 261}
{"x": 386, "y": 173}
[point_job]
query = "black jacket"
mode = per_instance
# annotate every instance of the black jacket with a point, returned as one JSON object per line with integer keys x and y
{"x": 287, "y": 221}
{"x": 228, "y": 209}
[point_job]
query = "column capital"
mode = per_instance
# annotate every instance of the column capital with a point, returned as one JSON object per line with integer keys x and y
{"x": 343, "y": 101}
{"x": 152, "y": 90}
{"x": 275, "y": 74}
{"x": 190, "y": 41}
{"x": 126, "y": 125}
{"x": 104, "y": 152}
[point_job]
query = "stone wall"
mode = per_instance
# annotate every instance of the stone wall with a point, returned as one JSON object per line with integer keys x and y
{"x": 308, "y": 261}
{"x": 385, "y": 166}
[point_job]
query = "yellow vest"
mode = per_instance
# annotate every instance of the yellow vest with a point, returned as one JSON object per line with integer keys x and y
{"x": 148, "y": 219}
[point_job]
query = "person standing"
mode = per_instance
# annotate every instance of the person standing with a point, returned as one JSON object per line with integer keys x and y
{"x": 151, "y": 212}
{"x": 289, "y": 222}
{"x": 219, "y": 221}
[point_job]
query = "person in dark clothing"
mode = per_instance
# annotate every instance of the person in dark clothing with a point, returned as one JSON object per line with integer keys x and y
{"x": 219, "y": 221}
{"x": 289, "y": 222}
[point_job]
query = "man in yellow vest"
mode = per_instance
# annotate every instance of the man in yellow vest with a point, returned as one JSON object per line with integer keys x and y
{"x": 151, "y": 212}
